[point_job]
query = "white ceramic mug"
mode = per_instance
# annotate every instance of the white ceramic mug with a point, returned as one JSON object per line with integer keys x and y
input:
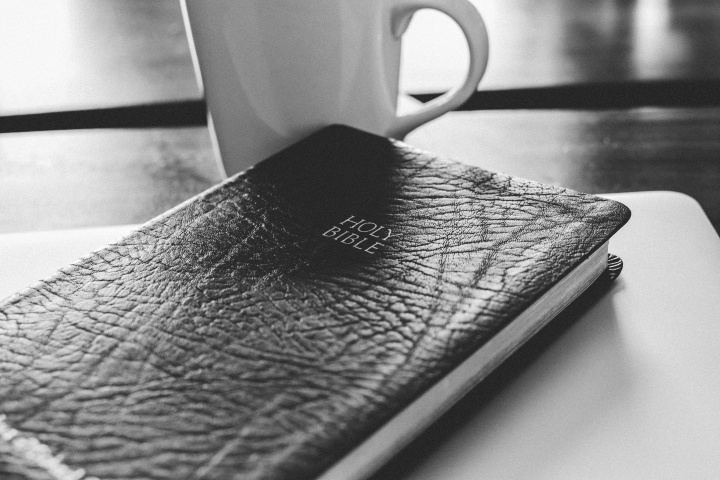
{"x": 274, "y": 71}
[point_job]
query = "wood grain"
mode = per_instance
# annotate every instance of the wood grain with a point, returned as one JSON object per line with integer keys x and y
{"x": 90, "y": 53}
{"x": 554, "y": 42}
{"x": 96, "y": 53}
{"x": 79, "y": 178}
{"x": 85, "y": 53}
{"x": 591, "y": 151}
{"x": 52, "y": 180}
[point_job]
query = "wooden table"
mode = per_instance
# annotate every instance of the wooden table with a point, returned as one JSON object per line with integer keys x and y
{"x": 80, "y": 55}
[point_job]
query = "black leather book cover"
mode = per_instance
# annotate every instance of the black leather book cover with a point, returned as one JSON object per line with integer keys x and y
{"x": 266, "y": 327}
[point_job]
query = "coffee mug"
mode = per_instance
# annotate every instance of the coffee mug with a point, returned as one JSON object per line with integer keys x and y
{"x": 275, "y": 71}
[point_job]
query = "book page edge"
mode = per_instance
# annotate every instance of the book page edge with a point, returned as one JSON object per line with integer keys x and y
{"x": 400, "y": 430}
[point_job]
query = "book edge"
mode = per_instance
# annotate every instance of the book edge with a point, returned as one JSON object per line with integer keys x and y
{"x": 400, "y": 430}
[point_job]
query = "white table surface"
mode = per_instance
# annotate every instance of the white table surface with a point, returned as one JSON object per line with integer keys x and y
{"x": 631, "y": 390}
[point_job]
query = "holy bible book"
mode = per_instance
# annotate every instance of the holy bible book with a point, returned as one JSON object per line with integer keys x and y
{"x": 304, "y": 319}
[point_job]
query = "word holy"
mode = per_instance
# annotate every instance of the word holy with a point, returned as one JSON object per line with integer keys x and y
{"x": 360, "y": 234}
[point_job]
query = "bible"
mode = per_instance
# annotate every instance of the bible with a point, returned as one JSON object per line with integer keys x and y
{"x": 303, "y": 319}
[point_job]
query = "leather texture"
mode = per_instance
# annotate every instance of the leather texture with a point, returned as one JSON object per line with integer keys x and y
{"x": 232, "y": 338}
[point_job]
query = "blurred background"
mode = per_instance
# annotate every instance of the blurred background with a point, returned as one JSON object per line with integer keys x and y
{"x": 102, "y": 122}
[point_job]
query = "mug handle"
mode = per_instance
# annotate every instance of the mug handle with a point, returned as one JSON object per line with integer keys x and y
{"x": 468, "y": 18}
